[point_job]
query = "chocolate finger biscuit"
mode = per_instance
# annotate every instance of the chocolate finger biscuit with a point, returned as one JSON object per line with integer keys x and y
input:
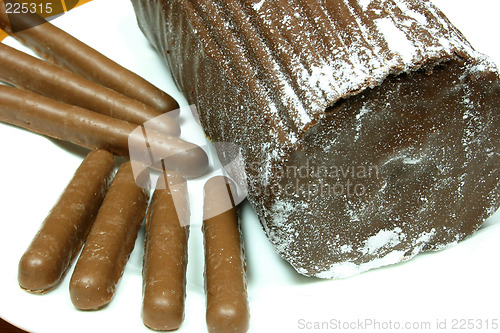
{"x": 165, "y": 255}
{"x": 110, "y": 242}
{"x": 225, "y": 268}
{"x": 23, "y": 70}
{"x": 63, "y": 232}
{"x": 59, "y": 47}
{"x": 93, "y": 130}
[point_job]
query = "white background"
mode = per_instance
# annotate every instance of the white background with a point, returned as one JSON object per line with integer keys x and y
{"x": 457, "y": 283}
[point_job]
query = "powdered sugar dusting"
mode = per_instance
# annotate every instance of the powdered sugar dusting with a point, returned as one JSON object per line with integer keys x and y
{"x": 364, "y": 3}
{"x": 483, "y": 63}
{"x": 346, "y": 248}
{"x": 396, "y": 39}
{"x": 280, "y": 226}
{"x": 258, "y": 5}
{"x": 425, "y": 237}
{"x": 359, "y": 121}
{"x": 383, "y": 239}
{"x": 418, "y": 17}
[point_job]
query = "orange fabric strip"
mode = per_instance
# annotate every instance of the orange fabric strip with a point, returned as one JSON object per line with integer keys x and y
{"x": 3, "y": 34}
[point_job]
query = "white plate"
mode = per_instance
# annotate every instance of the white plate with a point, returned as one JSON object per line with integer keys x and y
{"x": 459, "y": 283}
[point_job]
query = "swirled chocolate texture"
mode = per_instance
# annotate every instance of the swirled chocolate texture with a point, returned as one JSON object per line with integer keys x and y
{"x": 369, "y": 129}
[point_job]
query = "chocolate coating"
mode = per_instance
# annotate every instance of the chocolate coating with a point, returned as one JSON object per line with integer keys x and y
{"x": 312, "y": 89}
{"x": 93, "y": 130}
{"x": 225, "y": 268}
{"x": 109, "y": 243}
{"x": 23, "y": 70}
{"x": 57, "y": 46}
{"x": 166, "y": 254}
{"x": 64, "y": 230}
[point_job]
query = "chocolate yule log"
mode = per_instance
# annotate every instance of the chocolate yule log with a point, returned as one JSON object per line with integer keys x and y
{"x": 369, "y": 129}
